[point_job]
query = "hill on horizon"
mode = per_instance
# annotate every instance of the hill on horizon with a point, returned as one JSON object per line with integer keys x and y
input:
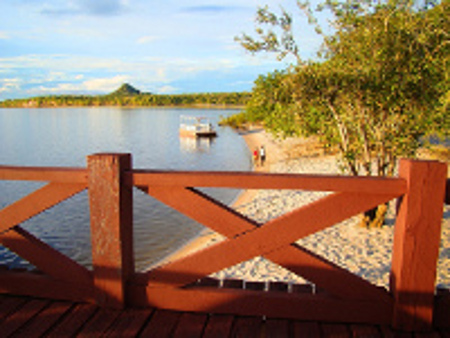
{"x": 126, "y": 90}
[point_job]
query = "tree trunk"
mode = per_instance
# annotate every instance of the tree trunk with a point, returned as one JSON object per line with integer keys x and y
{"x": 374, "y": 218}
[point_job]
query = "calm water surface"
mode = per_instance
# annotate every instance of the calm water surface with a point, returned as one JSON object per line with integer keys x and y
{"x": 64, "y": 137}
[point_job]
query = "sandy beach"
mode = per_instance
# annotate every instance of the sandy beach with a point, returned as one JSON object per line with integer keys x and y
{"x": 365, "y": 252}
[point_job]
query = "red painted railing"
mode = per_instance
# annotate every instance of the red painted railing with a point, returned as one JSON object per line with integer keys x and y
{"x": 410, "y": 304}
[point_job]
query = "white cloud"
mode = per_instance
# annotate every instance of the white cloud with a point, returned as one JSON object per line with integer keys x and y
{"x": 9, "y": 85}
{"x": 96, "y": 85}
{"x": 105, "y": 84}
{"x": 71, "y": 74}
{"x": 166, "y": 89}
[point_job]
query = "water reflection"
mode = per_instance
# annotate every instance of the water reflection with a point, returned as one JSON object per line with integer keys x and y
{"x": 195, "y": 144}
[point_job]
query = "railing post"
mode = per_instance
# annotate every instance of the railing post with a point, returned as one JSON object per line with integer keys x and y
{"x": 416, "y": 244}
{"x": 111, "y": 210}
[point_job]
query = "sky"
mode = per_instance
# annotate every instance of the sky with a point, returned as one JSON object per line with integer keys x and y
{"x": 51, "y": 47}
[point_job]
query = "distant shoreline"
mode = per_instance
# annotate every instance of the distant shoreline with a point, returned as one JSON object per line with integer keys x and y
{"x": 193, "y": 106}
{"x": 128, "y": 96}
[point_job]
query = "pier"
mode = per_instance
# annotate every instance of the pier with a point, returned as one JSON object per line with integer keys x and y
{"x": 181, "y": 297}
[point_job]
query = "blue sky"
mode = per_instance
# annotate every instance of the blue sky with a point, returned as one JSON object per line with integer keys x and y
{"x": 93, "y": 46}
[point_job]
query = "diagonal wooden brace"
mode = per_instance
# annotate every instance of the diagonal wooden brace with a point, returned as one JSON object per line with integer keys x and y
{"x": 37, "y": 202}
{"x": 248, "y": 241}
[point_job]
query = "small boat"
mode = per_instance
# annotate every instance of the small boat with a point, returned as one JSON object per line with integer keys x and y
{"x": 196, "y": 127}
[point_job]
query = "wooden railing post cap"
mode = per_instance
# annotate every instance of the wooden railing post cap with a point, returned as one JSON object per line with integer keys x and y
{"x": 122, "y": 159}
{"x": 409, "y": 161}
{"x": 120, "y": 155}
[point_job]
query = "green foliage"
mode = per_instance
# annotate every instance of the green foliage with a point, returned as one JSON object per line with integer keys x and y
{"x": 382, "y": 85}
{"x": 237, "y": 121}
{"x": 276, "y": 36}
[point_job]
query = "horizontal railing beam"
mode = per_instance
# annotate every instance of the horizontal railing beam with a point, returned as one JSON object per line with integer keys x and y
{"x": 270, "y": 304}
{"x": 45, "y": 174}
{"x": 42, "y": 286}
{"x": 241, "y": 180}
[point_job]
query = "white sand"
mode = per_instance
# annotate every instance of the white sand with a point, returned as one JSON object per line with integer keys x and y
{"x": 365, "y": 252}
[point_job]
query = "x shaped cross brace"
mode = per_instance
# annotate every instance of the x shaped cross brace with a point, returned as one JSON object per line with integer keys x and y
{"x": 274, "y": 240}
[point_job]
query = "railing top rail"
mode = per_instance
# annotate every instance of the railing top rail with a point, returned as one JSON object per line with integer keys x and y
{"x": 46, "y": 174}
{"x": 253, "y": 180}
{"x": 219, "y": 179}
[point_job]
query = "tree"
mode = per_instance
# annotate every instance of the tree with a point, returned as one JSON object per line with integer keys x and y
{"x": 277, "y": 38}
{"x": 381, "y": 86}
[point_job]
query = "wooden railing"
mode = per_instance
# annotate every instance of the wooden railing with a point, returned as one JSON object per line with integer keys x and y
{"x": 409, "y": 304}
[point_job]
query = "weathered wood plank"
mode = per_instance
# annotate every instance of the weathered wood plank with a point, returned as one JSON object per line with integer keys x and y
{"x": 190, "y": 325}
{"x": 70, "y": 325}
{"x": 162, "y": 324}
{"x": 277, "y": 328}
{"x": 99, "y": 324}
{"x": 9, "y": 305}
{"x": 247, "y": 327}
{"x": 364, "y": 331}
{"x": 306, "y": 330}
{"x": 372, "y": 185}
{"x": 445, "y": 333}
{"x": 19, "y": 318}
{"x": 129, "y": 323}
{"x": 111, "y": 207}
{"x": 441, "y": 311}
{"x": 335, "y": 331}
{"x": 218, "y": 326}
{"x": 45, "y": 320}
{"x": 416, "y": 244}
{"x": 36, "y": 202}
{"x": 389, "y": 332}
{"x": 430, "y": 334}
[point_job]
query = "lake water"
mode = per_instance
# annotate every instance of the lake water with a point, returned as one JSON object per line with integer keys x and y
{"x": 64, "y": 137}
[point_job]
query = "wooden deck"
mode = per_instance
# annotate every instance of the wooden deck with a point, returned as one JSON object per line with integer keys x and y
{"x": 31, "y": 317}
{"x": 179, "y": 299}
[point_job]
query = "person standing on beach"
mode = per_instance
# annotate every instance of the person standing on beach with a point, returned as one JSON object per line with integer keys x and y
{"x": 262, "y": 155}
{"x": 255, "y": 156}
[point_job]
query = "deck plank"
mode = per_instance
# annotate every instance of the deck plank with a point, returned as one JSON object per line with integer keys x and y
{"x": 19, "y": 318}
{"x": 364, "y": 331}
{"x": 335, "y": 331}
{"x": 25, "y": 317}
{"x": 306, "y": 329}
{"x": 427, "y": 335}
{"x": 388, "y": 332}
{"x": 9, "y": 305}
{"x": 191, "y": 325}
{"x": 219, "y": 326}
{"x": 45, "y": 320}
{"x": 162, "y": 324}
{"x": 74, "y": 321}
{"x": 277, "y": 328}
{"x": 445, "y": 333}
{"x": 129, "y": 323}
{"x": 247, "y": 327}
{"x": 99, "y": 324}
